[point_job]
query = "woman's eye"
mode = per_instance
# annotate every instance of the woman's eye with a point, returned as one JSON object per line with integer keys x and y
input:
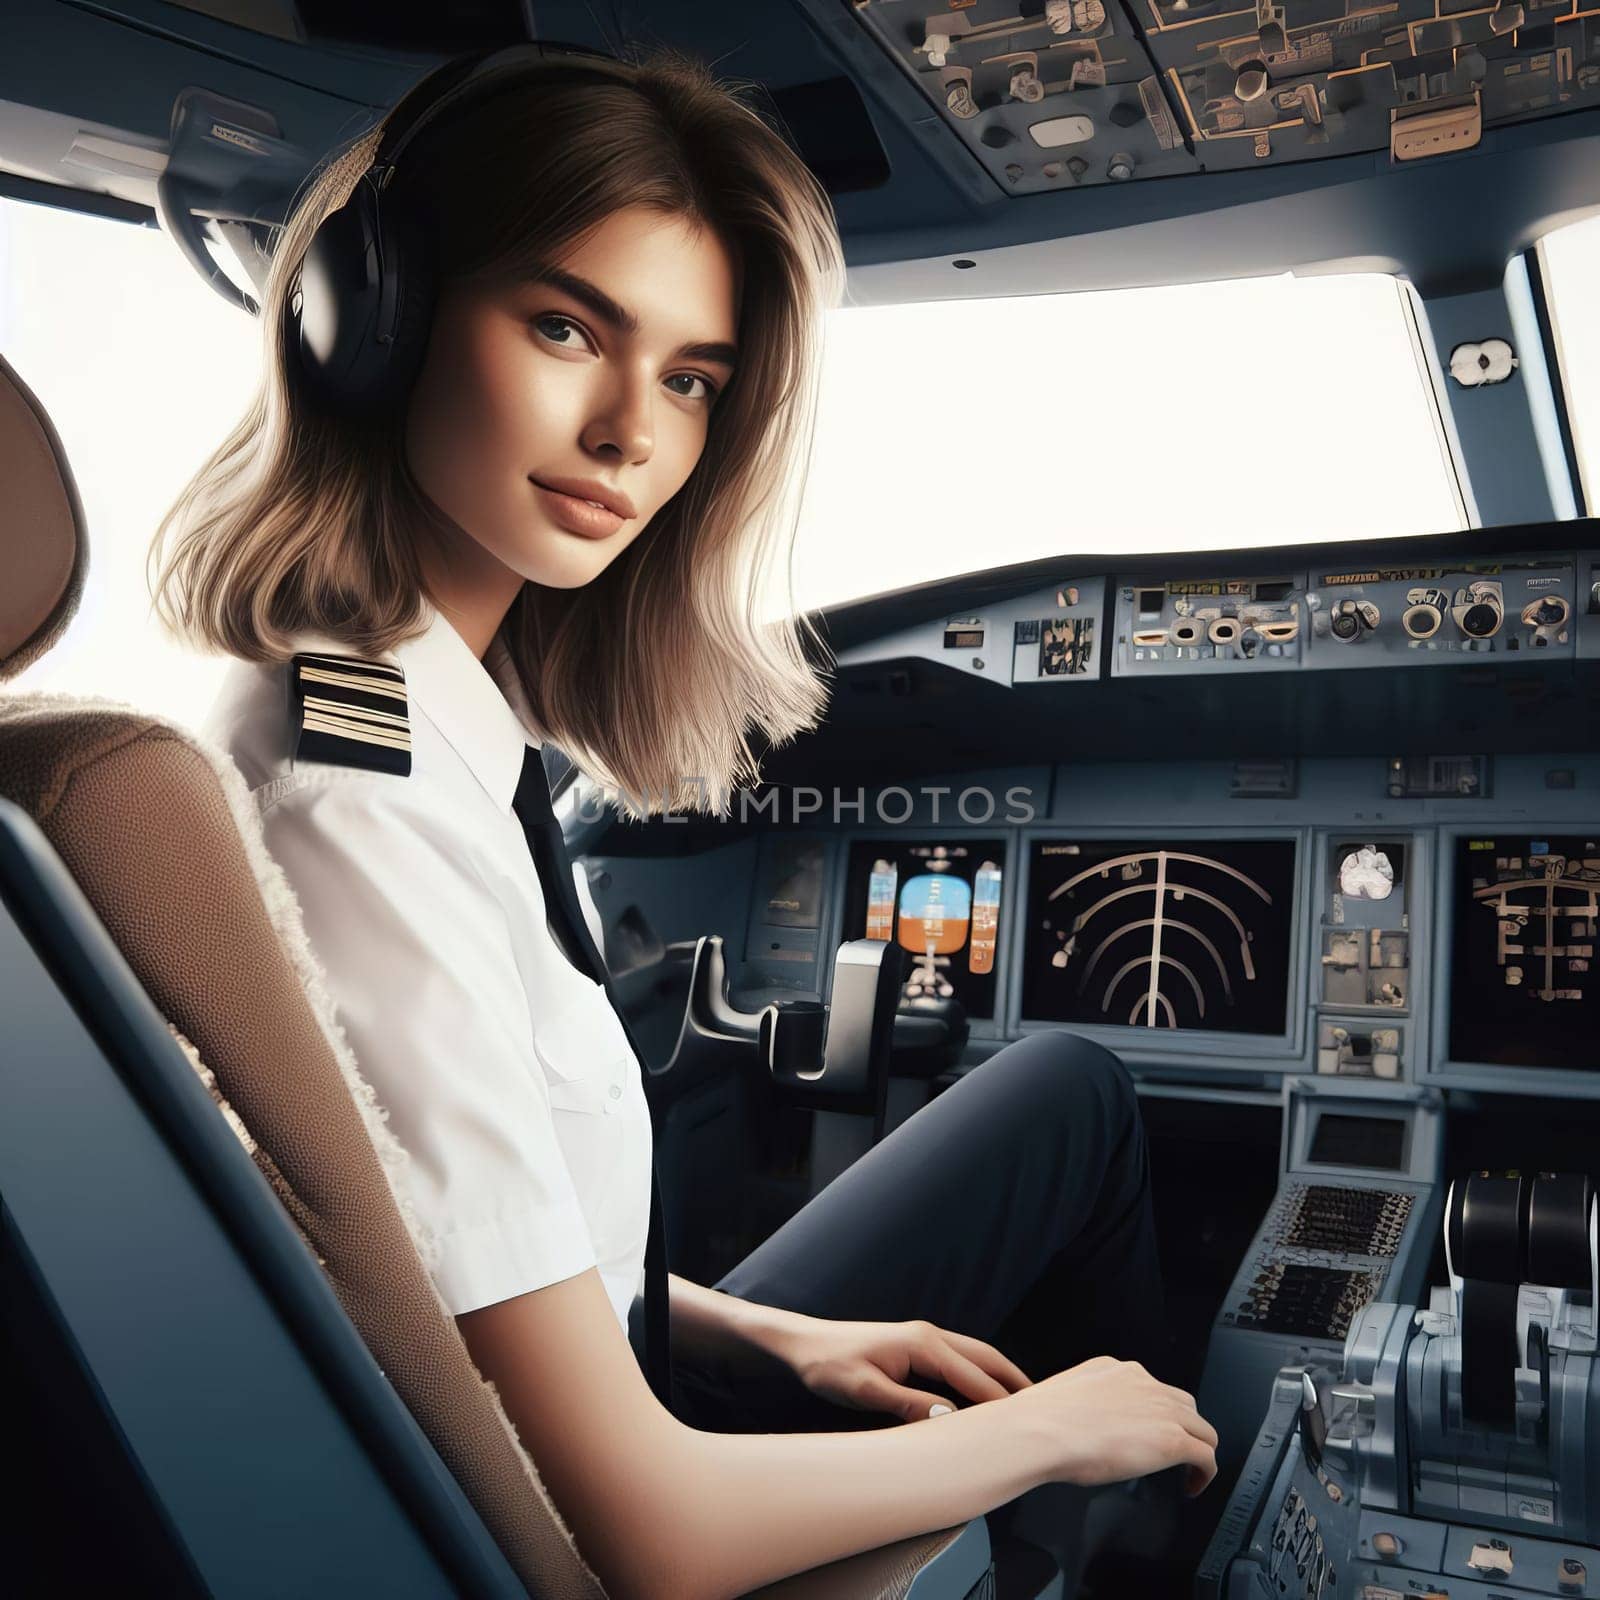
{"x": 560, "y": 325}
{"x": 708, "y": 388}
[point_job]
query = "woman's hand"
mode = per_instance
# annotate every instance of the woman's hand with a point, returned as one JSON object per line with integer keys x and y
{"x": 866, "y": 1365}
{"x": 1105, "y": 1420}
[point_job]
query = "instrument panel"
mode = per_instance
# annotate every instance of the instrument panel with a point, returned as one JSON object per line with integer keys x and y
{"x": 1335, "y": 619}
{"x": 1202, "y": 620}
{"x": 1231, "y": 952}
{"x": 1161, "y": 880}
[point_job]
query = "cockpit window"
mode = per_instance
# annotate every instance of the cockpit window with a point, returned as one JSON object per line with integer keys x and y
{"x": 142, "y": 369}
{"x": 966, "y": 434}
{"x": 1571, "y": 270}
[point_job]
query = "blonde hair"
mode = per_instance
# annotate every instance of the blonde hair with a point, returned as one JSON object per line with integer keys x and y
{"x": 651, "y": 676}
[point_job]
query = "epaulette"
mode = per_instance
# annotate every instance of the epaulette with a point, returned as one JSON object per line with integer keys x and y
{"x": 350, "y": 713}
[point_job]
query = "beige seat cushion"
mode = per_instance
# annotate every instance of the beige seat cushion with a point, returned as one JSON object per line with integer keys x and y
{"x": 161, "y": 835}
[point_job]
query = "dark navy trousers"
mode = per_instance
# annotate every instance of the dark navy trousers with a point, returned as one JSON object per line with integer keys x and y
{"x": 1014, "y": 1207}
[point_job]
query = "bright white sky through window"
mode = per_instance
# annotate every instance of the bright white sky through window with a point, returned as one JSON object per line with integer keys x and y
{"x": 952, "y": 437}
{"x": 142, "y": 369}
{"x": 1572, "y": 261}
{"x": 965, "y": 434}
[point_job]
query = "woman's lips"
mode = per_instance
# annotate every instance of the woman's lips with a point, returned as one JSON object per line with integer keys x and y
{"x": 578, "y": 516}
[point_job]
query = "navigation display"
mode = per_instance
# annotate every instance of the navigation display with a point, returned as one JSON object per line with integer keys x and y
{"x": 1523, "y": 987}
{"x": 1150, "y": 933}
{"x": 941, "y": 901}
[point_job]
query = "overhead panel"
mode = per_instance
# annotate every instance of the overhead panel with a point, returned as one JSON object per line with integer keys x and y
{"x": 1077, "y": 92}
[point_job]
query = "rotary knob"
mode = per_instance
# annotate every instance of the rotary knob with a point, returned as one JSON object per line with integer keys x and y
{"x": 1479, "y": 619}
{"x": 1350, "y": 621}
{"x": 1422, "y": 621}
{"x": 1550, "y": 611}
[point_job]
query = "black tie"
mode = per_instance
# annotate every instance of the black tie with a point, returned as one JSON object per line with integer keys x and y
{"x": 549, "y": 847}
{"x": 571, "y": 930}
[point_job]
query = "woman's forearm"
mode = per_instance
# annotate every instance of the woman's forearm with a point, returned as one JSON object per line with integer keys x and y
{"x": 719, "y": 1327}
{"x": 739, "y": 1510}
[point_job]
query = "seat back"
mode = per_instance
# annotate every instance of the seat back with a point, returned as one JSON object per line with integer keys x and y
{"x": 155, "y": 1285}
{"x": 270, "y": 1428}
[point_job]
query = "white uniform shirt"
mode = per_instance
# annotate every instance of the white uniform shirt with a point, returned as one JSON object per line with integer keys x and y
{"x": 503, "y": 1069}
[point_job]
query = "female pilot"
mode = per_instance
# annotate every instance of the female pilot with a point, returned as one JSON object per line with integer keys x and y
{"x": 551, "y": 525}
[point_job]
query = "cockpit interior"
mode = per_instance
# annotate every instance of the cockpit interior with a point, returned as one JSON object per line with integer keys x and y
{"x": 1277, "y": 779}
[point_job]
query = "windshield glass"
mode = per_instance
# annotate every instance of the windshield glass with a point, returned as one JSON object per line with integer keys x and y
{"x": 964, "y": 434}
{"x": 1572, "y": 269}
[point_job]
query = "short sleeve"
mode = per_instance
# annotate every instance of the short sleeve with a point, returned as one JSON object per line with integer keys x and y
{"x": 420, "y": 967}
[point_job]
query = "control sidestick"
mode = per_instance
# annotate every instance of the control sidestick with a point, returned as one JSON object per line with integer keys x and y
{"x": 838, "y": 1058}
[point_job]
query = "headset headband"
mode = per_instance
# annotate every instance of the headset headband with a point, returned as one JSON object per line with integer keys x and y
{"x": 466, "y": 78}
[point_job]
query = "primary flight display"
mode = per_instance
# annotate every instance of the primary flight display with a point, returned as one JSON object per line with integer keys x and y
{"x": 940, "y": 899}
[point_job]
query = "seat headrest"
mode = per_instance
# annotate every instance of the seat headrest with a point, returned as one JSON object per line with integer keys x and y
{"x": 44, "y": 546}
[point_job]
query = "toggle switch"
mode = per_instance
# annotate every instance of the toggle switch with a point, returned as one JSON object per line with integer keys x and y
{"x": 1025, "y": 84}
{"x": 1491, "y": 1558}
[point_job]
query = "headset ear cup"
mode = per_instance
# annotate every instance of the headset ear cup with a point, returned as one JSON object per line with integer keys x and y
{"x": 365, "y": 301}
{"x": 340, "y": 295}
{"x": 414, "y": 287}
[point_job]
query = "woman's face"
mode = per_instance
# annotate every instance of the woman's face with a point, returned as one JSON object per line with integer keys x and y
{"x": 597, "y": 376}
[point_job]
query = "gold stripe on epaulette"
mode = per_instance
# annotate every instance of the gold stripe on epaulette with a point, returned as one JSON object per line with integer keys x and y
{"x": 362, "y": 733}
{"x": 392, "y": 719}
{"x": 382, "y": 669}
{"x": 352, "y": 680}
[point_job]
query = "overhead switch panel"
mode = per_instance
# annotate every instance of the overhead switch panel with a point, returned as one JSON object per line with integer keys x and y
{"x": 1151, "y": 88}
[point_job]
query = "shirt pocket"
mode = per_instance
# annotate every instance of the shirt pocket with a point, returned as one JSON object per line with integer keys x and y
{"x": 583, "y": 1049}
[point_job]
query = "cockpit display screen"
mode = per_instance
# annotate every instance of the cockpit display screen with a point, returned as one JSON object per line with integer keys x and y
{"x": 1524, "y": 991}
{"x": 941, "y": 901}
{"x": 1151, "y": 933}
{"x": 1343, "y": 1141}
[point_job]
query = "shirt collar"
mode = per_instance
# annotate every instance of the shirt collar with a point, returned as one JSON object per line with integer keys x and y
{"x": 478, "y": 706}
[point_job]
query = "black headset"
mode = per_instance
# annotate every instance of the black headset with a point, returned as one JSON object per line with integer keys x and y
{"x": 358, "y": 312}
